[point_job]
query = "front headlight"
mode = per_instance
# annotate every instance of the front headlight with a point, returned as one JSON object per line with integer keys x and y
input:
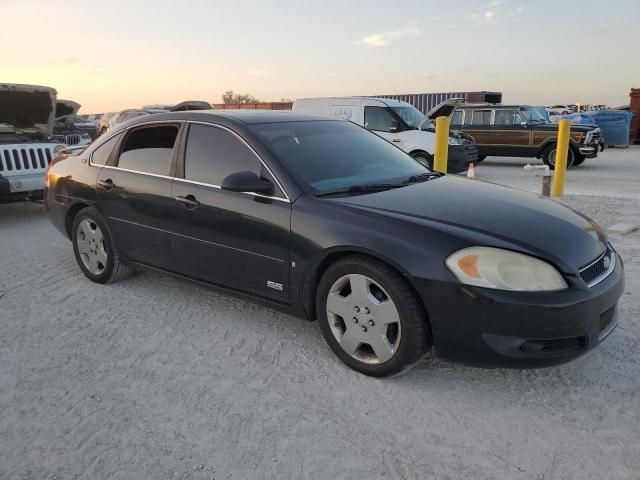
{"x": 588, "y": 137}
{"x": 58, "y": 148}
{"x": 455, "y": 141}
{"x": 504, "y": 270}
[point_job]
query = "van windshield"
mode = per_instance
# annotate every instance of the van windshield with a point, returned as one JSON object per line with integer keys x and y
{"x": 411, "y": 116}
{"x": 331, "y": 155}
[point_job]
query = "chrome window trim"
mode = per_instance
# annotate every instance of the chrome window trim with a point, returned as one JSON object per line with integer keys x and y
{"x": 215, "y": 125}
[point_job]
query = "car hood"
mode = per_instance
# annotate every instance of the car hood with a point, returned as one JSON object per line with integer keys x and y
{"x": 515, "y": 219}
{"x": 66, "y": 107}
{"x": 27, "y": 106}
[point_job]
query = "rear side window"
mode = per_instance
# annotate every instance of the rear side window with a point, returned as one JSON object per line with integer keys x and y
{"x": 456, "y": 118}
{"x": 149, "y": 149}
{"x": 213, "y": 153}
{"x": 101, "y": 154}
{"x": 379, "y": 119}
{"x": 504, "y": 118}
{"x": 481, "y": 117}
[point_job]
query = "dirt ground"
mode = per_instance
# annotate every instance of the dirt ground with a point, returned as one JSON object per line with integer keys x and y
{"x": 155, "y": 378}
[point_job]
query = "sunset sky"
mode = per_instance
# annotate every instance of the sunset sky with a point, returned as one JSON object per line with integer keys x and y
{"x": 123, "y": 54}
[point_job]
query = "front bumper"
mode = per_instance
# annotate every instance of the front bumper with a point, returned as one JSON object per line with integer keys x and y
{"x": 21, "y": 183}
{"x": 589, "y": 151}
{"x": 460, "y": 156}
{"x": 494, "y": 328}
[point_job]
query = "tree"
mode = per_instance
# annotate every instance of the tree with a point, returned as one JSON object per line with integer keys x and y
{"x": 230, "y": 97}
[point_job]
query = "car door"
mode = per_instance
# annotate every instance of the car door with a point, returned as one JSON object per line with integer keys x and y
{"x": 381, "y": 121}
{"x": 134, "y": 192}
{"x": 477, "y": 124}
{"x": 509, "y": 134}
{"x": 233, "y": 239}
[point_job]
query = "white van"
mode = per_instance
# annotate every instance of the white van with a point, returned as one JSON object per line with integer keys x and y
{"x": 398, "y": 122}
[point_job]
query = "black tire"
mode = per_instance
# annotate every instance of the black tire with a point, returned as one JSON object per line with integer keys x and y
{"x": 115, "y": 268}
{"x": 423, "y": 158}
{"x": 548, "y": 156}
{"x": 481, "y": 158}
{"x": 578, "y": 160}
{"x": 415, "y": 339}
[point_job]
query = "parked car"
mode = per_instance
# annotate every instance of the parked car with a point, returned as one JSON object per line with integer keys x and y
{"x": 26, "y": 123}
{"x": 398, "y": 122}
{"x": 323, "y": 219}
{"x": 522, "y": 131}
{"x": 561, "y": 109}
{"x": 125, "y": 115}
{"x": 71, "y": 129}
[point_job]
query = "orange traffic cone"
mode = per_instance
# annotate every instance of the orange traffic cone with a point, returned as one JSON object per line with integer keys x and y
{"x": 471, "y": 173}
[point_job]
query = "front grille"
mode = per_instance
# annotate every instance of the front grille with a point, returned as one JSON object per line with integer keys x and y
{"x": 557, "y": 346}
{"x": 599, "y": 269}
{"x": 15, "y": 158}
{"x": 73, "y": 139}
{"x": 607, "y": 317}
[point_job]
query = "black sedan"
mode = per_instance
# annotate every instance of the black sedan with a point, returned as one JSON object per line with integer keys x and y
{"x": 326, "y": 220}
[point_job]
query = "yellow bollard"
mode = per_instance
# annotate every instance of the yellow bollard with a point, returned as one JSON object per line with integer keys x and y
{"x": 441, "y": 150}
{"x": 562, "y": 151}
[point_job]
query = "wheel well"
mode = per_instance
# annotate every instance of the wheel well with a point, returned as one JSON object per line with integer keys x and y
{"x": 71, "y": 215}
{"x": 313, "y": 278}
{"x": 413, "y": 152}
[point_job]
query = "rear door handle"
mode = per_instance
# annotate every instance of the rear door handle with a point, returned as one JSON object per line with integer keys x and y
{"x": 188, "y": 201}
{"x": 106, "y": 184}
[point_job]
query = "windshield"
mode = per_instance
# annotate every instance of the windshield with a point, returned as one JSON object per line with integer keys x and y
{"x": 410, "y": 115}
{"x": 330, "y": 155}
{"x": 533, "y": 115}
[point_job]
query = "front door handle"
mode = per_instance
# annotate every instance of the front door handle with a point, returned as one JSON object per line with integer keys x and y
{"x": 396, "y": 140}
{"x": 106, "y": 184}
{"x": 188, "y": 201}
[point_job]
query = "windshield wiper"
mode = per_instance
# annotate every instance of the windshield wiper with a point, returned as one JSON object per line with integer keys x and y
{"x": 373, "y": 187}
{"x": 423, "y": 177}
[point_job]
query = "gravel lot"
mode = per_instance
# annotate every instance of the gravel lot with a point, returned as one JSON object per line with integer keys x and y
{"x": 156, "y": 378}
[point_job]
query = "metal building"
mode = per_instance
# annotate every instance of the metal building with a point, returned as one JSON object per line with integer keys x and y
{"x": 426, "y": 101}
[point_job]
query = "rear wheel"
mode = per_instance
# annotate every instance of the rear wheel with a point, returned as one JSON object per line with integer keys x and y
{"x": 94, "y": 249}
{"x": 423, "y": 158}
{"x": 549, "y": 156}
{"x": 370, "y": 317}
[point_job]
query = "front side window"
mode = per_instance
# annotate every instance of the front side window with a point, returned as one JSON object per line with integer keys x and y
{"x": 329, "y": 155}
{"x": 101, "y": 154}
{"x": 380, "y": 119}
{"x": 149, "y": 149}
{"x": 213, "y": 153}
{"x": 481, "y": 118}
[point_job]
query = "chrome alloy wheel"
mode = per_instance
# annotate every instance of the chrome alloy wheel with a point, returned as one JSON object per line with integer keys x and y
{"x": 363, "y": 319}
{"x": 90, "y": 244}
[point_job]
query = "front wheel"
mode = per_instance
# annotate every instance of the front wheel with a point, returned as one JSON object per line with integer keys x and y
{"x": 549, "y": 157}
{"x": 94, "y": 249}
{"x": 424, "y": 158}
{"x": 579, "y": 160}
{"x": 370, "y": 317}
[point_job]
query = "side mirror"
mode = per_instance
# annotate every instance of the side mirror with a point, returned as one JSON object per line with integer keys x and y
{"x": 393, "y": 126}
{"x": 246, "y": 182}
{"x": 523, "y": 124}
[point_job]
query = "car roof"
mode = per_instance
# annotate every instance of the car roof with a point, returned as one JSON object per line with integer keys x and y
{"x": 492, "y": 105}
{"x": 389, "y": 102}
{"x": 248, "y": 117}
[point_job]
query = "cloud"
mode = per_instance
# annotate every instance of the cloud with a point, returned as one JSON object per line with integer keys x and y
{"x": 491, "y": 13}
{"x": 385, "y": 38}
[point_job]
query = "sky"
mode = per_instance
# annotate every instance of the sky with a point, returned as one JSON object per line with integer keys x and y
{"x": 124, "y": 54}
